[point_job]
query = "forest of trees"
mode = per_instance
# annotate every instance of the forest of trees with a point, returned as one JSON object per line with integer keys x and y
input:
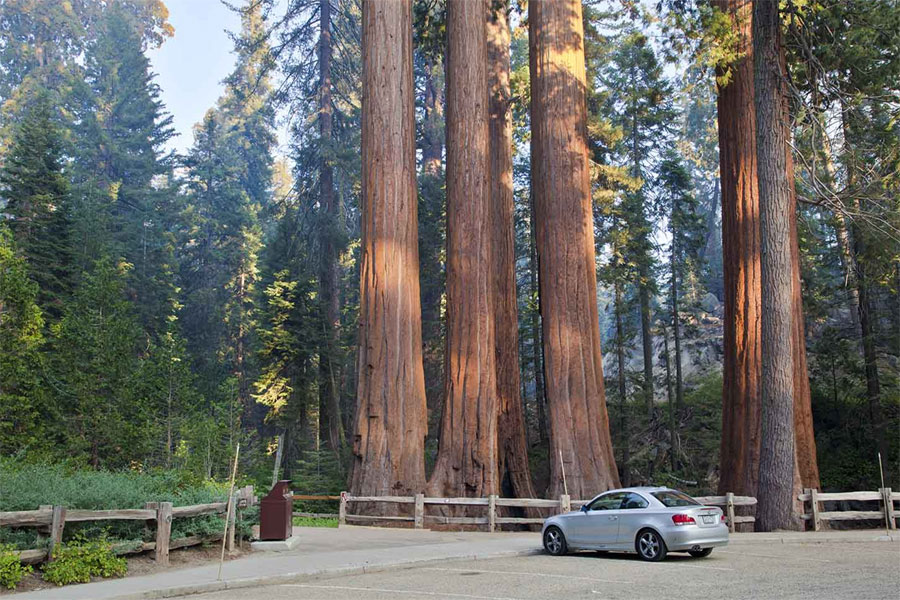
{"x": 410, "y": 291}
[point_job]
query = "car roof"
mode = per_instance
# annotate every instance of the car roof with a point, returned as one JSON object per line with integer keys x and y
{"x": 638, "y": 488}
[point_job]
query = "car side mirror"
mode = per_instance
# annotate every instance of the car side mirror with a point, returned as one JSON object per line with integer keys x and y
{"x": 584, "y": 508}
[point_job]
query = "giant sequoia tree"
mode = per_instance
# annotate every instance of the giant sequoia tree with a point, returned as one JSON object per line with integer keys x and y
{"x": 742, "y": 370}
{"x": 512, "y": 455}
{"x": 579, "y": 426}
{"x": 467, "y": 456}
{"x": 390, "y": 424}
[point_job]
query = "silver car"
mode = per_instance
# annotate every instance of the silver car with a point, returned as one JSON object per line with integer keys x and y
{"x": 651, "y": 521}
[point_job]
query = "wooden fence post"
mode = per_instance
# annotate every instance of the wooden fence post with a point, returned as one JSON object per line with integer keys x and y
{"x": 57, "y": 525}
{"x": 163, "y": 532}
{"x": 420, "y": 511}
{"x": 888, "y": 508}
{"x": 729, "y": 508}
{"x": 492, "y": 513}
{"x": 565, "y": 503}
{"x": 342, "y": 510}
{"x": 814, "y": 508}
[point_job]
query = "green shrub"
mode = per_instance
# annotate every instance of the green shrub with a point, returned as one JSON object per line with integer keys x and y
{"x": 81, "y": 559}
{"x": 11, "y": 569}
{"x": 25, "y": 486}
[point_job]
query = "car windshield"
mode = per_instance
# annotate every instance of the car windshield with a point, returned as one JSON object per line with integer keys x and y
{"x": 672, "y": 499}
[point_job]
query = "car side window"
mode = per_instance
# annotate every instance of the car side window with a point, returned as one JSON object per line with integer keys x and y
{"x": 632, "y": 501}
{"x": 608, "y": 501}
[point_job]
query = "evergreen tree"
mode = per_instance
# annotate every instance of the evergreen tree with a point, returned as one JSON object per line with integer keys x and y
{"x": 36, "y": 194}
{"x": 119, "y": 135}
{"x": 688, "y": 238}
{"x": 96, "y": 362}
{"x": 211, "y": 249}
{"x": 288, "y": 332}
{"x": 640, "y": 105}
{"x": 23, "y": 399}
{"x": 229, "y": 181}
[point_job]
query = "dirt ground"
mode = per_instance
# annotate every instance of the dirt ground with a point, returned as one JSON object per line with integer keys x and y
{"x": 143, "y": 564}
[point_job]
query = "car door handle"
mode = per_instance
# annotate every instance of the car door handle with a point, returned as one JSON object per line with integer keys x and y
{"x": 612, "y": 518}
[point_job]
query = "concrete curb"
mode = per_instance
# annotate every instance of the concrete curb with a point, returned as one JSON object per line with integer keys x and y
{"x": 811, "y": 539}
{"x": 236, "y": 584}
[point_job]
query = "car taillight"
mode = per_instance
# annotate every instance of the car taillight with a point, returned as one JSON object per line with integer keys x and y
{"x": 683, "y": 520}
{"x": 723, "y": 517}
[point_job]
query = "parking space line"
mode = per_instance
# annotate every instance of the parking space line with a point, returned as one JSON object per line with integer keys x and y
{"x": 681, "y": 565}
{"x": 595, "y": 579}
{"x": 392, "y": 591}
{"x": 822, "y": 560}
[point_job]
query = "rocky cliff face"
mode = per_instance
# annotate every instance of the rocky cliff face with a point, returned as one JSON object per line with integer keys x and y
{"x": 701, "y": 349}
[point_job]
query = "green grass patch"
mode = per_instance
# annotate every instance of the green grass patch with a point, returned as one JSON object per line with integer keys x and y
{"x": 314, "y": 522}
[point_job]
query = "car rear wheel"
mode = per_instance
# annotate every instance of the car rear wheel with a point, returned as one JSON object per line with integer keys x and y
{"x": 700, "y": 553}
{"x": 650, "y": 546}
{"x": 554, "y": 541}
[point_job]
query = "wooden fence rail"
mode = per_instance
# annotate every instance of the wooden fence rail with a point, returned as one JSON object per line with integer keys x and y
{"x": 492, "y": 519}
{"x": 161, "y": 513}
{"x": 815, "y": 499}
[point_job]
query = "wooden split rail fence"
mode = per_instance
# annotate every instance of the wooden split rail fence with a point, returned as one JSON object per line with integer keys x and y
{"x": 160, "y": 513}
{"x": 492, "y": 519}
{"x": 814, "y": 498}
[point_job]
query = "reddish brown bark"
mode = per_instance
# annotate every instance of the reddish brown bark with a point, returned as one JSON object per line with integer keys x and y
{"x": 514, "y": 473}
{"x": 390, "y": 423}
{"x": 741, "y": 402}
{"x": 466, "y": 464}
{"x": 580, "y": 444}
{"x": 739, "y": 457}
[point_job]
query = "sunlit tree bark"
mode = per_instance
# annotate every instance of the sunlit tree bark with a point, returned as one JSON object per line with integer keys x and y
{"x": 390, "y": 424}
{"x": 466, "y": 464}
{"x": 580, "y": 445}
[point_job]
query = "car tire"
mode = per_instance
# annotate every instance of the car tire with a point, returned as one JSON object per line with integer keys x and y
{"x": 554, "y": 541}
{"x": 650, "y": 546}
{"x": 700, "y": 553}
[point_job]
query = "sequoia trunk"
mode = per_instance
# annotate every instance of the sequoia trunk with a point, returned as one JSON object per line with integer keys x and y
{"x": 580, "y": 445}
{"x": 390, "y": 423}
{"x": 741, "y": 401}
{"x": 466, "y": 463}
{"x": 512, "y": 449}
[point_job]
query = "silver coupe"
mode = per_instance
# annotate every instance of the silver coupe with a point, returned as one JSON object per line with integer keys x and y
{"x": 650, "y": 521}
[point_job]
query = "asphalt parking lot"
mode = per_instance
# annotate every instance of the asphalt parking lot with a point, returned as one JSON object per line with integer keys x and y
{"x": 838, "y": 571}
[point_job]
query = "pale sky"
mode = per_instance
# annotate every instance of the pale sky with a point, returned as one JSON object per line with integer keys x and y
{"x": 191, "y": 65}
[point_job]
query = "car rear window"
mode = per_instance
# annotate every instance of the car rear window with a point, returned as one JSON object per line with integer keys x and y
{"x": 673, "y": 499}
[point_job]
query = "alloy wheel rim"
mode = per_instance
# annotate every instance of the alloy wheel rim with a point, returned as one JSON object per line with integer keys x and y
{"x": 553, "y": 543}
{"x": 649, "y": 545}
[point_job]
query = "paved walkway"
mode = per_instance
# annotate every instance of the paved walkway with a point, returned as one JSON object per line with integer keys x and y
{"x": 355, "y": 550}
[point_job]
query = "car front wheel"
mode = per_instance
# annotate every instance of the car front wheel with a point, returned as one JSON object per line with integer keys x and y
{"x": 700, "y": 553}
{"x": 650, "y": 546}
{"x": 554, "y": 541}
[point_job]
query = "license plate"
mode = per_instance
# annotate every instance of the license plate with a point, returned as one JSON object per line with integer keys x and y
{"x": 707, "y": 519}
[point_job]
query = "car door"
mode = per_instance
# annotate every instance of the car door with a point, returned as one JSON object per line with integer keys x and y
{"x": 599, "y": 525}
{"x": 632, "y": 517}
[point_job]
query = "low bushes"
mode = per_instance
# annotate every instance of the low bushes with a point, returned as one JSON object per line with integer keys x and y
{"x": 11, "y": 570}
{"x": 80, "y": 559}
